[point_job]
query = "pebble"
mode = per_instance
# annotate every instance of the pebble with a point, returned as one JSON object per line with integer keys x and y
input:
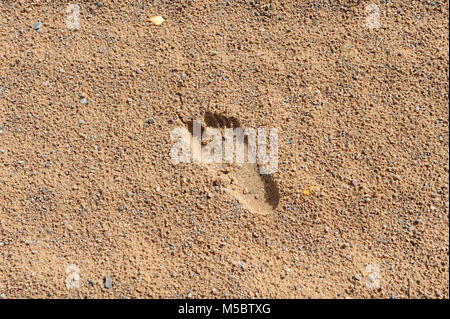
{"x": 37, "y": 26}
{"x": 107, "y": 282}
{"x": 84, "y": 101}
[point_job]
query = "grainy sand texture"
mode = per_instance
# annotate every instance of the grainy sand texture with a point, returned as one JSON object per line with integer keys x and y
{"x": 92, "y": 205}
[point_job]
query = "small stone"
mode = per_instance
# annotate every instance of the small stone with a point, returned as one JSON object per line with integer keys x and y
{"x": 157, "y": 20}
{"x": 84, "y": 101}
{"x": 358, "y": 277}
{"x": 100, "y": 4}
{"x": 37, "y": 26}
{"x": 107, "y": 282}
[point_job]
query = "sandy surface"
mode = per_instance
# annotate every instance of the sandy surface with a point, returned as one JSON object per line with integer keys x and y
{"x": 92, "y": 206}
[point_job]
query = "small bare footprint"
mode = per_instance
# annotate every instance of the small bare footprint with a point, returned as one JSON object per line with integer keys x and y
{"x": 257, "y": 193}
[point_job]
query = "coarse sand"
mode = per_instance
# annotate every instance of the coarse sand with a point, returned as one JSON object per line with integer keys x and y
{"x": 92, "y": 206}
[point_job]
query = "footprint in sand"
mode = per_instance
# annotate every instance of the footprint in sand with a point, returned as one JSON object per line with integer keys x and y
{"x": 256, "y": 192}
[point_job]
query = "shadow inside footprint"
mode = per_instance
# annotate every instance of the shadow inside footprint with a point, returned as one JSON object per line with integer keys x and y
{"x": 272, "y": 194}
{"x": 220, "y": 121}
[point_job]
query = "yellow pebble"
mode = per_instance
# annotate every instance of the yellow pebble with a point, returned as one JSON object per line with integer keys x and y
{"x": 157, "y": 20}
{"x": 309, "y": 190}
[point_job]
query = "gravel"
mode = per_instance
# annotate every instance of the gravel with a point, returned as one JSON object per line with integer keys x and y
{"x": 37, "y": 26}
{"x": 107, "y": 282}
